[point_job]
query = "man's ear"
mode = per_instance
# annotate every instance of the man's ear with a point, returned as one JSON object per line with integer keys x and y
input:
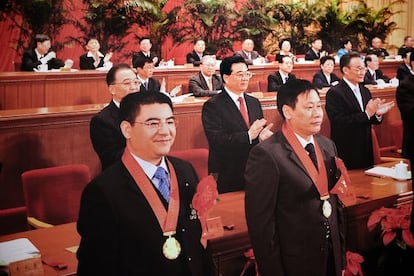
{"x": 112, "y": 89}
{"x": 287, "y": 112}
{"x": 126, "y": 129}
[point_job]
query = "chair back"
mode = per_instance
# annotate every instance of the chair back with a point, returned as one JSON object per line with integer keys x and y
{"x": 198, "y": 157}
{"x": 53, "y": 194}
{"x": 13, "y": 220}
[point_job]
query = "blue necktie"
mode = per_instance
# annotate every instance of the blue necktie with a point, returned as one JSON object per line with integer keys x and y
{"x": 163, "y": 183}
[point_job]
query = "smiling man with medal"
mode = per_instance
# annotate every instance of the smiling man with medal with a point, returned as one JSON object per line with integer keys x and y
{"x": 136, "y": 217}
{"x": 295, "y": 224}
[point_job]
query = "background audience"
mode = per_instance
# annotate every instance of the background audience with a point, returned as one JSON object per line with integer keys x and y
{"x": 247, "y": 52}
{"x": 325, "y": 77}
{"x": 94, "y": 58}
{"x": 197, "y": 54}
{"x": 206, "y": 82}
{"x": 34, "y": 58}
{"x": 276, "y": 80}
{"x": 376, "y": 48}
{"x": 374, "y": 75}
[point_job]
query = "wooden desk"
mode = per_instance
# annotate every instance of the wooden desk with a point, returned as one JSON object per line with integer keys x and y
{"x": 38, "y": 89}
{"x": 52, "y": 242}
{"x": 227, "y": 250}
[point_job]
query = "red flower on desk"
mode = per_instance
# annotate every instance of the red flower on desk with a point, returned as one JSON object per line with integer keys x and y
{"x": 205, "y": 198}
{"x": 395, "y": 224}
{"x": 353, "y": 264}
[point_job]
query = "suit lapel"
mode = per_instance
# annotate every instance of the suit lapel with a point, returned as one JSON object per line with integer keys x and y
{"x": 350, "y": 96}
{"x": 203, "y": 81}
{"x": 232, "y": 108}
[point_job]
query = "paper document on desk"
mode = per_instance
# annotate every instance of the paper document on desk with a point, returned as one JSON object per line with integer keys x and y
{"x": 385, "y": 172}
{"x": 17, "y": 250}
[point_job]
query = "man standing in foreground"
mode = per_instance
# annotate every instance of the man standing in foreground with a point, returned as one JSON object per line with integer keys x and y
{"x": 295, "y": 224}
{"x": 136, "y": 218}
{"x": 352, "y": 111}
{"x": 105, "y": 133}
{"x": 233, "y": 123}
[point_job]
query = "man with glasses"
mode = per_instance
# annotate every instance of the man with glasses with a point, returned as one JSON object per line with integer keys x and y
{"x": 206, "y": 82}
{"x": 233, "y": 123}
{"x": 279, "y": 78}
{"x": 352, "y": 111}
{"x": 136, "y": 217}
{"x": 106, "y": 136}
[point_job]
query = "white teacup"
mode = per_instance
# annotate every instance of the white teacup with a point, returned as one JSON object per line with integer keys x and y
{"x": 401, "y": 170}
{"x": 42, "y": 67}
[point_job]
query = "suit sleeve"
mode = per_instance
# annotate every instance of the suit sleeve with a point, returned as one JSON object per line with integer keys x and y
{"x": 261, "y": 195}
{"x": 318, "y": 81}
{"x": 29, "y": 62}
{"x": 104, "y": 142}
{"x": 216, "y": 131}
{"x": 272, "y": 84}
{"x": 95, "y": 225}
{"x": 338, "y": 111}
{"x": 83, "y": 63}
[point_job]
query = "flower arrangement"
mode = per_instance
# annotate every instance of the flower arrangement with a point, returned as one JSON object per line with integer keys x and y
{"x": 395, "y": 225}
{"x": 353, "y": 264}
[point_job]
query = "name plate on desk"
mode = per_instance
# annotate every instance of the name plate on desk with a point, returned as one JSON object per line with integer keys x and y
{"x": 32, "y": 267}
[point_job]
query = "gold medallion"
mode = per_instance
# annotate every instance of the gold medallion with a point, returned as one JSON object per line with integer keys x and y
{"x": 326, "y": 208}
{"x": 171, "y": 248}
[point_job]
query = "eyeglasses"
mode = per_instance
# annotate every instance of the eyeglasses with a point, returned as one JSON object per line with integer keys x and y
{"x": 157, "y": 124}
{"x": 243, "y": 75}
{"x": 135, "y": 82}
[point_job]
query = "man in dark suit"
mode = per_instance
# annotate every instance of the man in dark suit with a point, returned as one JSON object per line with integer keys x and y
{"x": 315, "y": 52}
{"x": 352, "y": 111}
{"x": 376, "y": 48}
{"x": 105, "y": 133}
{"x": 145, "y": 51}
{"x": 325, "y": 77}
{"x": 94, "y": 58}
{"x": 197, "y": 54}
{"x": 136, "y": 217}
{"x": 247, "y": 52}
{"x": 405, "y": 103}
{"x": 374, "y": 75}
{"x": 405, "y": 68}
{"x": 295, "y": 223}
{"x": 279, "y": 78}
{"x": 39, "y": 55}
{"x": 145, "y": 70}
{"x": 233, "y": 123}
{"x": 206, "y": 82}
{"x": 407, "y": 46}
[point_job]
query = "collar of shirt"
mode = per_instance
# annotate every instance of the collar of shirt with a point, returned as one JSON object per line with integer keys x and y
{"x": 142, "y": 80}
{"x": 351, "y": 85}
{"x": 118, "y": 104}
{"x": 206, "y": 77}
{"x": 327, "y": 76}
{"x": 147, "y": 54}
{"x": 371, "y": 71}
{"x": 149, "y": 168}
{"x": 249, "y": 54}
{"x": 304, "y": 142}
{"x": 283, "y": 75}
{"x": 89, "y": 54}
{"x": 38, "y": 54}
{"x": 235, "y": 97}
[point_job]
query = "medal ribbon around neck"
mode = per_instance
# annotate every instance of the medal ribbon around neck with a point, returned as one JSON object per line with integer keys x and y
{"x": 166, "y": 219}
{"x": 320, "y": 179}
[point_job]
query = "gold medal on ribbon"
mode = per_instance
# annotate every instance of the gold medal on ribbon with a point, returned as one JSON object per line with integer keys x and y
{"x": 326, "y": 208}
{"x": 171, "y": 248}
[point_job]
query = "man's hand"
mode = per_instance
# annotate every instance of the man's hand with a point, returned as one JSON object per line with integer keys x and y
{"x": 256, "y": 128}
{"x": 266, "y": 132}
{"x": 384, "y": 107}
{"x": 175, "y": 90}
{"x": 107, "y": 57}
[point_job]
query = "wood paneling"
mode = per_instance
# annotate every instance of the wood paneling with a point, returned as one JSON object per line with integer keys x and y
{"x": 30, "y": 89}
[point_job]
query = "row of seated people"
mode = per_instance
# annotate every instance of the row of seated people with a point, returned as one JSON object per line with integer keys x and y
{"x": 41, "y": 58}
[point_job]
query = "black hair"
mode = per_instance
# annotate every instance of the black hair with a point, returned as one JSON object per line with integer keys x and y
{"x": 346, "y": 59}
{"x": 110, "y": 76}
{"x": 131, "y": 103}
{"x": 227, "y": 63}
{"x": 325, "y": 58}
{"x": 289, "y": 92}
{"x": 139, "y": 61}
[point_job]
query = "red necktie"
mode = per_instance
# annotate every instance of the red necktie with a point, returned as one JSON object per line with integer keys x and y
{"x": 243, "y": 111}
